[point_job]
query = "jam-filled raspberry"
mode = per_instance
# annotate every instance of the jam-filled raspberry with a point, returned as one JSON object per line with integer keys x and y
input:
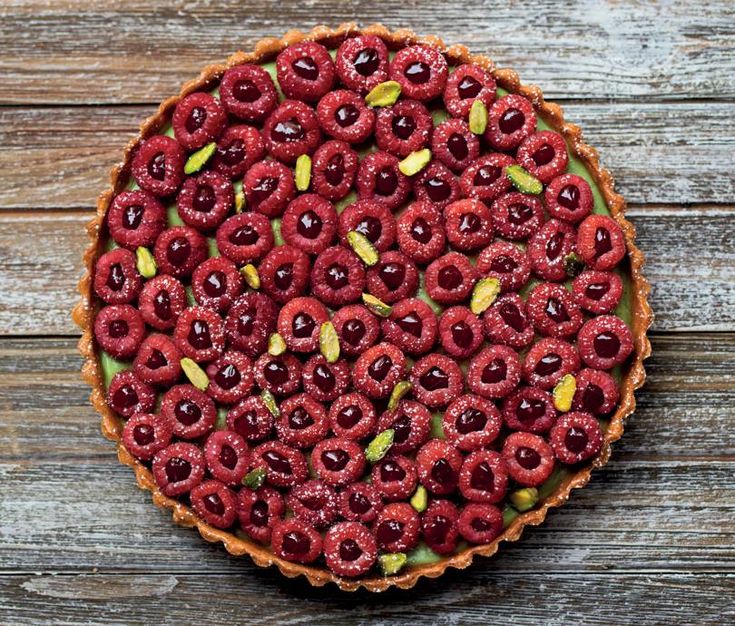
{"x": 352, "y": 416}
{"x": 483, "y": 477}
{"x": 469, "y": 224}
{"x": 291, "y": 130}
{"x": 529, "y": 459}
{"x": 484, "y": 177}
{"x": 215, "y": 503}
{"x": 439, "y": 526}
{"x": 145, "y": 434}
{"x": 162, "y": 301}
{"x": 494, "y": 372}
{"x": 158, "y": 360}
{"x": 460, "y": 332}
{"x": 227, "y": 456}
{"x": 179, "y": 250}
{"x": 238, "y": 148}
{"x": 357, "y": 329}
{"x": 371, "y": 219}
{"x": 350, "y": 549}
{"x": 506, "y": 262}
{"x": 251, "y": 419}
{"x": 280, "y": 375}
{"x": 553, "y": 312}
{"x": 248, "y": 93}
{"x": 258, "y": 511}
{"x": 325, "y": 381}
{"x": 597, "y": 292}
{"x": 549, "y": 248}
{"x": 411, "y": 425}
{"x": 119, "y": 329}
{"x": 450, "y": 278}
{"x": 284, "y": 273}
{"x": 158, "y": 165}
{"x": 436, "y": 184}
{"x": 544, "y": 155}
{"x": 437, "y": 380}
{"x": 421, "y": 71}
{"x": 397, "y": 527}
{"x": 198, "y": 119}
{"x": 200, "y": 334}
{"x": 454, "y": 145}
{"x": 403, "y": 128}
{"x": 245, "y": 238}
{"x": 506, "y": 322}
{"x": 314, "y": 502}
{"x": 548, "y": 361}
{"x": 116, "y": 277}
{"x": 295, "y": 540}
{"x": 250, "y": 321}
{"x": 510, "y": 120}
{"x": 178, "y": 468}
{"x": 471, "y": 422}
{"x": 596, "y": 393}
{"x": 338, "y": 276}
{"x": 412, "y": 326}
{"x": 377, "y": 370}
{"x": 600, "y": 242}
{"x": 309, "y": 223}
{"x": 230, "y": 377}
{"x": 393, "y": 278}
{"x": 604, "y": 342}
{"x": 517, "y": 216}
{"x": 360, "y": 502}
{"x": 379, "y": 178}
{"x": 333, "y": 169}
{"x": 362, "y": 63}
{"x": 127, "y": 395}
{"x": 395, "y": 477}
{"x": 529, "y": 409}
{"x": 569, "y": 198}
{"x": 191, "y": 412}
{"x": 269, "y": 187}
{"x": 438, "y": 464}
{"x": 135, "y": 218}
{"x": 420, "y": 232}
{"x": 575, "y": 438}
{"x": 299, "y": 323}
{"x": 480, "y": 523}
{"x": 284, "y": 466}
{"x": 465, "y": 85}
{"x": 344, "y": 115}
{"x": 338, "y": 461}
{"x": 216, "y": 283}
{"x": 305, "y": 71}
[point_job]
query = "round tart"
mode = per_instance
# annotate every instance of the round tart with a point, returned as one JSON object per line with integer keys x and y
{"x": 361, "y": 306}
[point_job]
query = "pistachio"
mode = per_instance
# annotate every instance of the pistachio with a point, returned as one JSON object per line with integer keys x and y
{"x": 564, "y": 393}
{"x": 251, "y": 276}
{"x": 363, "y": 247}
{"x": 420, "y": 499}
{"x": 302, "y": 176}
{"x": 392, "y": 563}
{"x": 379, "y": 446}
{"x": 400, "y": 390}
{"x": 254, "y": 479}
{"x": 376, "y": 305}
{"x": 478, "y": 117}
{"x": 270, "y": 402}
{"x": 383, "y": 95}
{"x": 415, "y": 162}
{"x": 329, "y": 342}
{"x": 198, "y": 159}
{"x": 145, "y": 262}
{"x": 276, "y": 345}
{"x": 509, "y": 514}
{"x": 484, "y": 294}
{"x": 239, "y": 202}
{"x": 196, "y": 375}
{"x": 524, "y": 499}
{"x": 523, "y": 180}
{"x": 573, "y": 264}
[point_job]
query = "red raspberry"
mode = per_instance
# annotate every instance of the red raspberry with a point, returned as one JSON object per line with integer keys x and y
{"x": 436, "y": 184}
{"x": 460, "y": 332}
{"x": 161, "y": 302}
{"x": 295, "y": 540}
{"x": 604, "y": 342}
{"x": 600, "y": 242}
{"x": 215, "y": 503}
{"x": 291, "y": 130}
{"x": 549, "y": 247}
{"x": 338, "y": 461}
{"x": 454, "y": 145}
{"x": 158, "y": 361}
{"x": 378, "y": 178}
{"x": 250, "y": 419}
{"x": 116, "y": 278}
{"x": 349, "y": 549}
{"x": 483, "y": 477}
{"x": 191, "y": 412}
{"x": 360, "y": 502}
{"x": 198, "y": 119}
{"x": 258, "y": 511}
{"x": 338, "y": 276}
{"x": 371, "y": 219}
{"x": 597, "y": 292}
{"x": 344, "y": 115}
{"x": 553, "y": 311}
{"x": 305, "y": 71}
{"x": 412, "y": 326}
{"x": 439, "y": 526}
{"x": 548, "y": 361}
{"x": 247, "y": 92}
{"x": 357, "y": 329}
{"x": 128, "y": 395}
{"x": 494, "y": 372}
{"x": 303, "y": 421}
{"x": 119, "y": 329}
{"x": 397, "y": 527}
{"x": 471, "y": 423}
{"x": 269, "y": 187}
{"x": 179, "y": 251}
{"x": 245, "y": 238}
{"x": 506, "y": 322}
{"x": 325, "y": 381}
{"x": 377, "y": 370}
{"x": 135, "y": 218}
{"x": 506, "y": 262}
{"x": 485, "y": 179}
{"x": 333, "y": 169}
{"x": 403, "y": 128}
{"x": 145, "y": 434}
{"x": 421, "y": 71}
{"x": 299, "y": 322}
{"x": 450, "y": 278}
{"x": 517, "y": 216}
{"x": 158, "y": 165}
{"x": 314, "y": 502}
{"x": 597, "y": 392}
{"x": 465, "y": 85}
{"x": 250, "y": 321}
{"x": 530, "y": 410}
{"x": 420, "y": 232}
{"x": 530, "y": 460}
{"x": 227, "y": 456}
{"x": 569, "y": 198}
{"x": 393, "y": 278}
{"x": 395, "y": 477}
{"x": 230, "y": 377}
{"x": 469, "y": 224}
{"x": 544, "y": 155}
{"x": 575, "y": 438}
{"x": 284, "y": 466}
{"x": 362, "y": 63}
{"x": 411, "y": 423}
{"x": 200, "y": 334}
{"x": 352, "y": 416}
{"x": 284, "y": 273}
{"x": 178, "y": 468}
{"x": 238, "y": 149}
{"x": 216, "y": 283}
{"x": 510, "y": 120}
{"x": 438, "y": 464}
{"x": 480, "y": 523}
{"x": 309, "y": 223}
{"x": 205, "y": 200}
{"x": 280, "y": 375}
{"x": 437, "y": 380}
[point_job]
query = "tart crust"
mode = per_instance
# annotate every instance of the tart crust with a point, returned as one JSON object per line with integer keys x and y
{"x": 633, "y": 378}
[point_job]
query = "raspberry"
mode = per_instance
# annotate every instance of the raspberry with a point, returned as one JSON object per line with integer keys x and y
{"x": 468, "y": 224}
{"x": 600, "y": 242}
{"x": 530, "y": 460}
{"x": 378, "y": 178}
{"x": 438, "y": 463}
{"x": 158, "y": 361}
{"x": 280, "y": 375}
{"x": 395, "y": 477}
{"x": 250, "y": 321}
{"x": 299, "y": 322}
{"x": 393, "y": 278}
{"x": 439, "y": 526}
{"x": 371, "y": 219}
{"x": 352, "y": 416}
{"x": 510, "y": 120}
{"x": 403, "y": 128}
{"x": 544, "y": 155}
{"x": 494, "y": 372}
{"x": 421, "y": 71}
{"x": 485, "y": 179}
{"x": 145, "y": 434}
{"x": 284, "y": 273}
{"x": 191, "y": 412}
{"x": 258, "y": 511}
{"x": 238, "y": 149}
{"x": 303, "y": 421}
{"x": 116, "y": 278}
{"x": 216, "y": 283}
{"x": 506, "y": 322}
{"x": 471, "y": 422}
{"x": 411, "y": 423}
{"x": 349, "y": 549}
{"x": 135, "y": 218}
{"x": 517, "y": 216}
{"x": 483, "y": 477}
{"x": 437, "y": 380}
{"x": 549, "y": 247}
{"x": 465, "y": 85}
{"x": 604, "y": 342}
{"x": 450, "y": 278}
{"x": 357, "y": 329}
{"x": 362, "y": 63}
{"x": 247, "y": 92}
{"x": 575, "y": 438}
{"x": 198, "y": 119}
{"x": 314, "y": 502}
{"x": 245, "y": 238}
{"x": 179, "y": 251}
{"x": 119, "y": 329}
{"x": 360, "y": 502}
{"x": 436, "y": 184}
{"x": 338, "y": 461}
{"x": 230, "y": 377}
{"x": 480, "y": 523}
{"x": 269, "y": 187}
{"x": 344, "y": 115}
{"x": 291, "y": 130}
{"x": 295, "y": 540}
{"x": 377, "y": 370}
{"x": 250, "y": 419}
{"x": 215, "y": 503}
{"x": 553, "y": 311}
{"x": 506, "y": 262}
{"x": 325, "y": 381}
{"x": 284, "y": 466}
{"x": 158, "y": 165}
{"x": 412, "y": 326}
{"x": 162, "y": 301}
{"x": 397, "y": 527}
{"x": 420, "y": 232}
{"x": 454, "y": 145}
{"x": 178, "y": 468}
{"x": 309, "y": 223}
{"x": 333, "y": 169}
{"x": 460, "y": 332}
{"x": 338, "y": 276}
{"x": 205, "y": 200}
{"x": 548, "y": 361}
{"x": 127, "y": 394}
{"x": 305, "y": 71}
{"x": 530, "y": 410}
{"x": 227, "y": 456}
{"x": 597, "y": 392}
{"x": 200, "y": 334}
{"x": 569, "y": 198}
{"x": 597, "y": 292}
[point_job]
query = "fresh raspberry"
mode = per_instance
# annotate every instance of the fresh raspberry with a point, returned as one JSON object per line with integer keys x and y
{"x": 248, "y": 93}
{"x": 291, "y": 130}
{"x": 198, "y": 119}
{"x": 397, "y": 527}
{"x": 510, "y": 120}
{"x": 127, "y": 394}
{"x": 600, "y": 242}
{"x": 530, "y": 410}
{"x": 215, "y": 503}
{"x": 338, "y": 461}
{"x": 569, "y": 198}
{"x": 191, "y": 412}
{"x": 303, "y": 421}
{"x": 250, "y": 419}
{"x": 575, "y": 438}
{"x": 162, "y": 301}
{"x": 314, "y": 502}
{"x": 269, "y": 187}
{"x": 604, "y": 342}
{"x": 299, "y": 323}
{"x": 325, "y": 381}
{"x": 450, "y": 278}
{"x": 403, "y": 128}
{"x": 295, "y": 540}
{"x": 238, "y": 149}
{"x": 309, "y": 223}
{"x": 250, "y": 321}
{"x": 362, "y": 63}
{"x": 471, "y": 422}
{"x": 280, "y": 375}
{"x": 548, "y": 361}
{"x": 421, "y": 71}
{"x": 205, "y": 200}
{"x": 216, "y": 283}
{"x": 227, "y": 456}
{"x": 468, "y": 224}
{"x": 494, "y": 372}
{"x": 506, "y": 322}
{"x": 483, "y": 477}
{"x": 395, "y": 477}
{"x": 116, "y": 277}
{"x": 145, "y": 434}
{"x": 549, "y": 247}
{"x": 465, "y": 85}
{"x": 378, "y": 178}
{"x": 258, "y": 511}
{"x": 377, "y": 370}
{"x": 517, "y": 216}
{"x": 338, "y": 276}
{"x": 506, "y": 262}
{"x": 245, "y": 238}
{"x": 436, "y": 184}
{"x": 439, "y": 526}
{"x": 357, "y": 329}
{"x": 454, "y": 145}
{"x": 530, "y": 460}
{"x": 393, "y": 278}
{"x": 158, "y": 165}
{"x": 349, "y": 549}
{"x": 544, "y": 155}
{"x": 480, "y": 523}
{"x": 284, "y": 273}
{"x": 597, "y": 392}
{"x": 284, "y": 466}
{"x": 158, "y": 360}
{"x": 200, "y": 334}
{"x": 360, "y": 502}
{"x": 333, "y": 169}
{"x": 552, "y": 311}
{"x": 412, "y": 326}
{"x": 135, "y": 218}
{"x": 420, "y": 232}
{"x": 437, "y": 380}
{"x": 411, "y": 423}
{"x": 352, "y": 416}
{"x": 597, "y": 292}
{"x": 344, "y": 115}
{"x": 371, "y": 219}
{"x": 230, "y": 377}
{"x": 179, "y": 251}
{"x": 178, "y": 468}
{"x": 438, "y": 463}
{"x": 485, "y": 179}
{"x": 460, "y": 332}
{"x": 305, "y": 71}
{"x": 119, "y": 329}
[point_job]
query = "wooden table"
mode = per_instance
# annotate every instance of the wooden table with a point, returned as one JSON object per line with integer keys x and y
{"x": 651, "y": 540}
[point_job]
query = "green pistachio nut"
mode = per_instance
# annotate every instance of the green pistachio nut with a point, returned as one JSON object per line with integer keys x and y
{"x": 254, "y": 479}
{"x": 329, "y": 342}
{"x": 563, "y": 393}
{"x": 392, "y": 563}
{"x": 363, "y": 247}
{"x": 196, "y": 375}
{"x": 276, "y": 345}
{"x": 379, "y": 446}
{"x": 239, "y": 202}
{"x": 523, "y": 180}
{"x": 399, "y": 391}
{"x": 415, "y": 162}
{"x": 145, "y": 262}
{"x": 302, "y": 176}
{"x": 524, "y": 499}
{"x": 250, "y": 274}
{"x": 478, "y": 117}
{"x": 573, "y": 264}
{"x": 198, "y": 159}
{"x": 420, "y": 499}
{"x": 270, "y": 402}
{"x": 376, "y": 305}
{"x": 484, "y": 294}
{"x": 383, "y": 95}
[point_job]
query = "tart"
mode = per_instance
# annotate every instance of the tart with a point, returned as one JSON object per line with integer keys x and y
{"x": 361, "y": 306}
